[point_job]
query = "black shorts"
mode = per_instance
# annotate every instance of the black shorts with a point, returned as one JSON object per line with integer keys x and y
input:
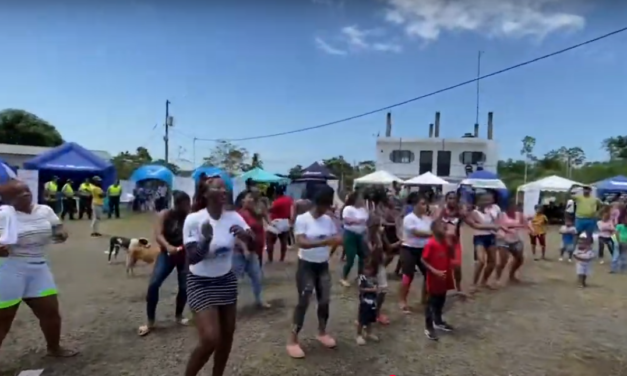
{"x": 367, "y": 313}
{"x": 410, "y": 259}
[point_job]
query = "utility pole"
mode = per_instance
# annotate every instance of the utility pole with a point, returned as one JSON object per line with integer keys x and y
{"x": 168, "y": 124}
{"x": 478, "y": 85}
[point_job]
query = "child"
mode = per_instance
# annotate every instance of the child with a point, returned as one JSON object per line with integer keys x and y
{"x": 583, "y": 255}
{"x": 376, "y": 245}
{"x": 568, "y": 231}
{"x": 538, "y": 231}
{"x": 436, "y": 257}
{"x": 620, "y": 252}
{"x": 367, "y": 303}
{"x": 606, "y": 231}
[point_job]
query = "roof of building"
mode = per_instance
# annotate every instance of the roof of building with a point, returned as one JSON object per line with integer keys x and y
{"x": 36, "y": 150}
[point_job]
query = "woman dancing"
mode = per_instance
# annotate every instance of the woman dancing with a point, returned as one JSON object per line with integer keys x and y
{"x": 416, "y": 232}
{"x": 27, "y": 229}
{"x": 483, "y": 220}
{"x": 315, "y": 235}
{"x": 169, "y": 235}
{"x": 355, "y": 216}
{"x": 509, "y": 241}
{"x": 209, "y": 236}
{"x": 282, "y": 216}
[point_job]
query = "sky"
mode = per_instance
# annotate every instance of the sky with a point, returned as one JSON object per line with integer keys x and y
{"x": 101, "y": 71}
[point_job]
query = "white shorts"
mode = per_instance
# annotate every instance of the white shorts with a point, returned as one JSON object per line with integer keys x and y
{"x": 21, "y": 279}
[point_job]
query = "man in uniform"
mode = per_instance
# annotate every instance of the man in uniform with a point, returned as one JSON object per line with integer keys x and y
{"x": 68, "y": 200}
{"x": 114, "y": 192}
{"x": 84, "y": 200}
{"x": 51, "y": 189}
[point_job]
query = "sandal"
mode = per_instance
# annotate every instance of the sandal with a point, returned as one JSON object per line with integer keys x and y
{"x": 327, "y": 341}
{"x": 182, "y": 321}
{"x": 295, "y": 351}
{"x": 144, "y": 330}
{"x": 62, "y": 353}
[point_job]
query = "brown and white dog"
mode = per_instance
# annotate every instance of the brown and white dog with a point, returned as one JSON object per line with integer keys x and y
{"x": 136, "y": 249}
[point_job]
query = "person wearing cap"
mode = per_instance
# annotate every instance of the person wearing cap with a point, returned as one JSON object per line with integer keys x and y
{"x": 51, "y": 188}
{"x": 68, "y": 200}
{"x": 97, "y": 203}
{"x": 586, "y": 209}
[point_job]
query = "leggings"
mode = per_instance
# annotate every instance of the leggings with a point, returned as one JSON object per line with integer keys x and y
{"x": 312, "y": 276}
{"x": 354, "y": 246}
{"x": 605, "y": 242}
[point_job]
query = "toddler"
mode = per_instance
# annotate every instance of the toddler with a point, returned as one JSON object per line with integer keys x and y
{"x": 584, "y": 255}
{"x": 368, "y": 292}
{"x": 568, "y": 231}
{"x": 606, "y": 231}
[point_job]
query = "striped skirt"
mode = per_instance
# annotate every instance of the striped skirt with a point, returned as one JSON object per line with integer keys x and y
{"x": 206, "y": 292}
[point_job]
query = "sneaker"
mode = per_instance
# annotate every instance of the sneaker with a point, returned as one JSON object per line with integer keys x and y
{"x": 561, "y": 259}
{"x": 360, "y": 340}
{"x": 373, "y": 337}
{"x": 570, "y": 260}
{"x": 601, "y": 262}
{"x": 430, "y": 334}
{"x": 444, "y": 327}
{"x": 345, "y": 283}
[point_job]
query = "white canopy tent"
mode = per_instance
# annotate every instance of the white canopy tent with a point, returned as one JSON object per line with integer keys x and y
{"x": 378, "y": 177}
{"x": 551, "y": 183}
{"x": 426, "y": 179}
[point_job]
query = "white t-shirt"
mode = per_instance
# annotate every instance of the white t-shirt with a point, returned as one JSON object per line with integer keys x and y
{"x": 570, "y": 206}
{"x": 34, "y": 232}
{"x": 314, "y": 229}
{"x": 218, "y": 261}
{"x": 354, "y": 214}
{"x": 411, "y": 222}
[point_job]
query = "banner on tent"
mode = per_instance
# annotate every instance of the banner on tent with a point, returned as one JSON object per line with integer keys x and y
{"x": 31, "y": 178}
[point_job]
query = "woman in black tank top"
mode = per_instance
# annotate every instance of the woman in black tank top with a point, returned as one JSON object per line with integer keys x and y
{"x": 169, "y": 236}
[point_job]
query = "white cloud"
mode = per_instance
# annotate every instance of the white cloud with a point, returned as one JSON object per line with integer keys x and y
{"x": 427, "y": 19}
{"x": 326, "y": 47}
{"x": 353, "y": 39}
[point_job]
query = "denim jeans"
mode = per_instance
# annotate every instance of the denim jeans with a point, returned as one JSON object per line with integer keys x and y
{"x": 619, "y": 258}
{"x": 249, "y": 264}
{"x": 164, "y": 266}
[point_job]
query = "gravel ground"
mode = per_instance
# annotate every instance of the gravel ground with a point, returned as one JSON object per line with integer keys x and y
{"x": 545, "y": 327}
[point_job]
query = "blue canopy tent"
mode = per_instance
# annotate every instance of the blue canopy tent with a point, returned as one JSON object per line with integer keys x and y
{"x": 6, "y": 172}
{"x": 617, "y": 184}
{"x": 259, "y": 175}
{"x": 71, "y": 161}
{"x": 156, "y": 172}
{"x": 483, "y": 180}
{"x": 212, "y": 171}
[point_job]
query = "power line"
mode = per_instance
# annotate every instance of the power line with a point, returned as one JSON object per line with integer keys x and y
{"x": 386, "y": 108}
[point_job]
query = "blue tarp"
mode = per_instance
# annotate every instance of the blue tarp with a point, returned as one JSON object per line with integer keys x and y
{"x": 213, "y": 171}
{"x": 617, "y": 184}
{"x": 484, "y": 175}
{"x": 156, "y": 172}
{"x": 72, "y": 161}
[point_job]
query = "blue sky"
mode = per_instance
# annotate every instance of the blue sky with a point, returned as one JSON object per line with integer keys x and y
{"x": 101, "y": 72}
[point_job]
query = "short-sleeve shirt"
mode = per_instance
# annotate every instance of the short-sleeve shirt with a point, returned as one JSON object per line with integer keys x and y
{"x": 586, "y": 206}
{"x": 218, "y": 261}
{"x": 411, "y": 222}
{"x": 314, "y": 229}
{"x": 438, "y": 256}
{"x": 357, "y": 215}
{"x": 34, "y": 232}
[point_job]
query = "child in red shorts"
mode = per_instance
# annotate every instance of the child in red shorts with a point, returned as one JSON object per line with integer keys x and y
{"x": 436, "y": 257}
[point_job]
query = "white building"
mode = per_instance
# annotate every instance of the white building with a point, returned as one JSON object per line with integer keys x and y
{"x": 448, "y": 158}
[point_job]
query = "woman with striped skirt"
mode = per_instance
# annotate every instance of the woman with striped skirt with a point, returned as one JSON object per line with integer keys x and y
{"x": 209, "y": 236}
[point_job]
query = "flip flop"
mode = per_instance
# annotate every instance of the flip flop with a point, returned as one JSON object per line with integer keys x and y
{"x": 62, "y": 353}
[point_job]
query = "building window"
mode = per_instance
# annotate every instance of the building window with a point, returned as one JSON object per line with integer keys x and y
{"x": 402, "y": 156}
{"x": 471, "y": 157}
{"x": 443, "y": 167}
{"x": 426, "y": 161}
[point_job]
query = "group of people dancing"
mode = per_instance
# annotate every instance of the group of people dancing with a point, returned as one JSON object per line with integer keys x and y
{"x": 213, "y": 239}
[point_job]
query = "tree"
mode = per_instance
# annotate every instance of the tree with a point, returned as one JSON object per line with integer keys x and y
{"x": 365, "y": 167}
{"x": 19, "y": 127}
{"x": 227, "y": 156}
{"x": 296, "y": 171}
{"x": 255, "y": 162}
{"x": 176, "y": 170}
{"x": 126, "y": 162}
{"x": 616, "y": 147}
{"x": 528, "y": 143}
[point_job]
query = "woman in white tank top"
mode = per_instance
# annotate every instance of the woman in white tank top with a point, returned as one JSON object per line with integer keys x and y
{"x": 483, "y": 220}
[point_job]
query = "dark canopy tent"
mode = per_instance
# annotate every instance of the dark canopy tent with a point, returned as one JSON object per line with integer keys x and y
{"x": 71, "y": 161}
{"x": 311, "y": 179}
{"x": 617, "y": 184}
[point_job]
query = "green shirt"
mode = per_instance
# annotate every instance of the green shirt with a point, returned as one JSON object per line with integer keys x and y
{"x": 621, "y": 233}
{"x": 586, "y": 206}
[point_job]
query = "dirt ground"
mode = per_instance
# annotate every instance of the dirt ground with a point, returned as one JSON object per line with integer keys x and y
{"x": 545, "y": 327}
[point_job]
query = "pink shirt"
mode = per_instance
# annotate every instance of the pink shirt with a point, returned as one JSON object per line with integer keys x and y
{"x": 510, "y": 235}
{"x": 606, "y": 228}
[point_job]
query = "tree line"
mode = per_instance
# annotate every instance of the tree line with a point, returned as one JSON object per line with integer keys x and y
{"x": 19, "y": 127}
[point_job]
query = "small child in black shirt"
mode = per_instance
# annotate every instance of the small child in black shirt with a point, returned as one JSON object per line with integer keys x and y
{"x": 368, "y": 291}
